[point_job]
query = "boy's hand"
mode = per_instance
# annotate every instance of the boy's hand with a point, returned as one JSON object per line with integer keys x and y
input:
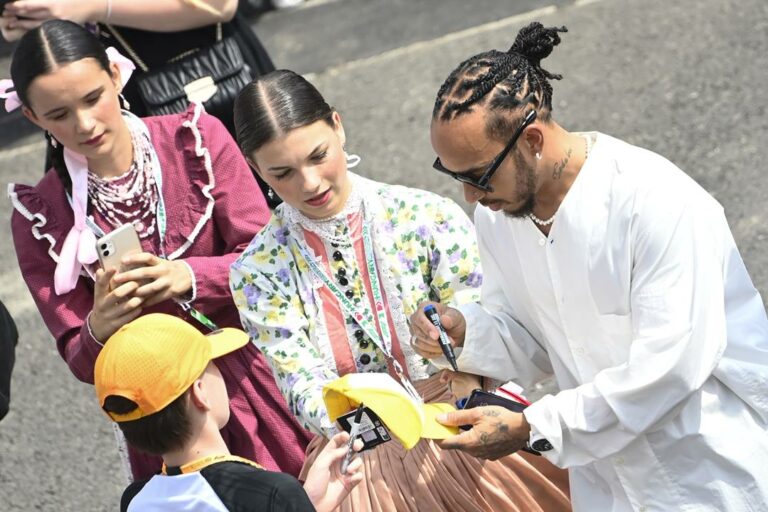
{"x": 326, "y": 486}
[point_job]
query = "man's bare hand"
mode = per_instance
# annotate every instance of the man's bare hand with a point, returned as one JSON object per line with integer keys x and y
{"x": 425, "y": 336}
{"x": 496, "y": 431}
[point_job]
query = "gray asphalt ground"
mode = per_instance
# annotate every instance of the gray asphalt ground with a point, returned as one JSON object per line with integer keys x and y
{"x": 685, "y": 79}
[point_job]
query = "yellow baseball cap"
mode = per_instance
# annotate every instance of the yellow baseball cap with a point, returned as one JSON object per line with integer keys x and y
{"x": 154, "y": 359}
{"x": 407, "y": 419}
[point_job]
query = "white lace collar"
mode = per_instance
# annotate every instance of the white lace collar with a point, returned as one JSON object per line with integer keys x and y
{"x": 333, "y": 229}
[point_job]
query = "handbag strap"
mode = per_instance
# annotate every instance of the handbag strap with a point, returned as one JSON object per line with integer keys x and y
{"x": 139, "y": 61}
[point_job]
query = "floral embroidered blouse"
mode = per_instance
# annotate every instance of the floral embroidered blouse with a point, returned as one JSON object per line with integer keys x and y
{"x": 424, "y": 248}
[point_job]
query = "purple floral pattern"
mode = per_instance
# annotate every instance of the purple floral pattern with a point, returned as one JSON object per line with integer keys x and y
{"x": 429, "y": 246}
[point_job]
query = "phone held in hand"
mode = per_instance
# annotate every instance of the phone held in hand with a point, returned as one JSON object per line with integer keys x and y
{"x": 116, "y": 245}
{"x": 480, "y": 398}
{"x": 371, "y": 430}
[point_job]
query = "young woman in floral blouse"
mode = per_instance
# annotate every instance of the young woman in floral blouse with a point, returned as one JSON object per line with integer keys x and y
{"x": 305, "y": 284}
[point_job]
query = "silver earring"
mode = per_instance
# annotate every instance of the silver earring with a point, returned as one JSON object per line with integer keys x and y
{"x": 352, "y": 160}
{"x": 54, "y": 142}
{"x": 125, "y": 102}
{"x": 538, "y": 156}
{"x": 270, "y": 193}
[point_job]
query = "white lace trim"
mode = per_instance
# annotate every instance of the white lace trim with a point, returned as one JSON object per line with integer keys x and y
{"x": 39, "y": 220}
{"x": 327, "y": 228}
{"x": 361, "y": 190}
{"x": 32, "y": 217}
{"x": 201, "y": 152}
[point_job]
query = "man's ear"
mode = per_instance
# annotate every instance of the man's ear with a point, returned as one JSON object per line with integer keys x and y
{"x": 534, "y": 139}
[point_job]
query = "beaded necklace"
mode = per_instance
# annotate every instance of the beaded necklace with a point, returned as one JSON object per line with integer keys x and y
{"x": 133, "y": 196}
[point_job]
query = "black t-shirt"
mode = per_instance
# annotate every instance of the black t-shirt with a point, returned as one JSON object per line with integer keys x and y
{"x": 222, "y": 486}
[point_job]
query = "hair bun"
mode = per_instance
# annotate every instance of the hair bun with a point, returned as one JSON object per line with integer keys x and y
{"x": 534, "y": 42}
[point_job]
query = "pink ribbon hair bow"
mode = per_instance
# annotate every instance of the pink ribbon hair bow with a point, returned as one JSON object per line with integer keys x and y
{"x": 79, "y": 246}
{"x": 12, "y": 101}
{"x": 124, "y": 64}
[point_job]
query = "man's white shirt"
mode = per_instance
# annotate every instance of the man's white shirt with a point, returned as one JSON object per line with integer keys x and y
{"x": 639, "y": 303}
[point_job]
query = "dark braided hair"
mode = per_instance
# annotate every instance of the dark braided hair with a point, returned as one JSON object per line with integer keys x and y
{"x": 510, "y": 77}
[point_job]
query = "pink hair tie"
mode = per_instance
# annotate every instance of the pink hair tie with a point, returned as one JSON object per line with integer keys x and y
{"x": 12, "y": 101}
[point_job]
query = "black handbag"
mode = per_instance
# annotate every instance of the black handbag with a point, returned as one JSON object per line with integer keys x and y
{"x": 212, "y": 75}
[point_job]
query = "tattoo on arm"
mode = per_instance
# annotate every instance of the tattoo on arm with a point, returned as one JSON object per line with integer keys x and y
{"x": 560, "y": 166}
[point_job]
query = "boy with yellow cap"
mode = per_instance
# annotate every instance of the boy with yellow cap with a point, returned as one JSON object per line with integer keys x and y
{"x": 157, "y": 379}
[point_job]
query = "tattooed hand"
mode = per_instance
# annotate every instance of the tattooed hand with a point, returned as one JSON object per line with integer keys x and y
{"x": 495, "y": 432}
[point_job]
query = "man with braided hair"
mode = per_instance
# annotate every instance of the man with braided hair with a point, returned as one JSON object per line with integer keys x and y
{"x": 609, "y": 268}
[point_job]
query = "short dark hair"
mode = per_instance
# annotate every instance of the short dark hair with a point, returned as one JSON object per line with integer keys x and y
{"x": 500, "y": 81}
{"x": 274, "y": 104}
{"x": 164, "y": 431}
{"x": 41, "y": 50}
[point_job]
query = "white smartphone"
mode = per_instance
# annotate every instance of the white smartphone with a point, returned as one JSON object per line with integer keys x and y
{"x": 116, "y": 245}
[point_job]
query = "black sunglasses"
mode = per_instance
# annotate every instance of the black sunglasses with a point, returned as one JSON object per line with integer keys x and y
{"x": 482, "y": 182}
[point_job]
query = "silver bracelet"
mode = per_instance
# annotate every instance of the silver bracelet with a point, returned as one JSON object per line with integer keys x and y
{"x": 90, "y": 331}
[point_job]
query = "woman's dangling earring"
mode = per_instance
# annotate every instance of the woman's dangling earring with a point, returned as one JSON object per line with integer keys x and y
{"x": 270, "y": 193}
{"x": 352, "y": 160}
{"x": 538, "y": 156}
{"x": 52, "y": 140}
{"x": 124, "y": 102}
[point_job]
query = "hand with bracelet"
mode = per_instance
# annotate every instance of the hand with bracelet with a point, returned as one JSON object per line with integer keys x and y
{"x": 113, "y": 305}
{"x": 21, "y": 16}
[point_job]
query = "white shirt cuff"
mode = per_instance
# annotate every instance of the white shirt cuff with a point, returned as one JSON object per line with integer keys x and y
{"x": 543, "y": 418}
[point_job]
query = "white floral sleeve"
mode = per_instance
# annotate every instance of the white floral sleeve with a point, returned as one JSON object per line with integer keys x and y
{"x": 454, "y": 257}
{"x": 272, "y": 311}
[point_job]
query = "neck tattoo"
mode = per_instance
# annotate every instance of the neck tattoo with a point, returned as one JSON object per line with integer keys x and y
{"x": 556, "y": 175}
{"x": 559, "y": 166}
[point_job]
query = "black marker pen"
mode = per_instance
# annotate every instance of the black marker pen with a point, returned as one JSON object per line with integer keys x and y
{"x": 445, "y": 343}
{"x": 353, "y": 433}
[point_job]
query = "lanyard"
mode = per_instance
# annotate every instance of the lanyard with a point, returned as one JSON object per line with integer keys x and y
{"x": 383, "y": 341}
{"x": 199, "y": 464}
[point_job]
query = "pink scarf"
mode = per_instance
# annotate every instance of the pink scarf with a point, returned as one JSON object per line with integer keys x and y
{"x": 79, "y": 247}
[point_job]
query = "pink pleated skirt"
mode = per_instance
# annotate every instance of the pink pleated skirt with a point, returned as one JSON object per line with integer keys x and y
{"x": 427, "y": 478}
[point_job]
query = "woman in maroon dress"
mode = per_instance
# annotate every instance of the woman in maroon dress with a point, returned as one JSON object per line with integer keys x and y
{"x": 181, "y": 181}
